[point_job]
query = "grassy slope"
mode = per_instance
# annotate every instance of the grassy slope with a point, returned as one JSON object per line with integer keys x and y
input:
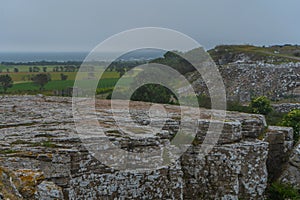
{"x": 279, "y": 54}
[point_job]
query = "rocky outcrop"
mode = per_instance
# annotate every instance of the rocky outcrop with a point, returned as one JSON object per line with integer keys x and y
{"x": 245, "y": 81}
{"x": 286, "y": 107}
{"x": 48, "y": 191}
{"x": 8, "y": 187}
{"x": 291, "y": 174}
{"x": 47, "y": 160}
{"x": 281, "y": 142}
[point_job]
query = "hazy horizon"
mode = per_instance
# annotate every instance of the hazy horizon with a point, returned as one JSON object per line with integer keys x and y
{"x": 79, "y": 26}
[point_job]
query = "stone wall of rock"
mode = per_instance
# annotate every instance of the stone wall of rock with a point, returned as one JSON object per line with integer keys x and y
{"x": 281, "y": 143}
{"x": 291, "y": 174}
{"x": 40, "y": 150}
{"x": 244, "y": 81}
{"x": 286, "y": 107}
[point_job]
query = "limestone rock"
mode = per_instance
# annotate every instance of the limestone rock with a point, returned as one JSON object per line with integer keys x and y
{"x": 48, "y": 191}
{"x": 286, "y": 107}
{"x": 281, "y": 142}
{"x": 291, "y": 174}
{"x": 39, "y": 141}
{"x": 244, "y": 81}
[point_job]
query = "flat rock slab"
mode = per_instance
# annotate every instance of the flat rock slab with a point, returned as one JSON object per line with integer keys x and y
{"x": 39, "y": 134}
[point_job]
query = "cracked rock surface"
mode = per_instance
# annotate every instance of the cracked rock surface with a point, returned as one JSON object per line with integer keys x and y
{"x": 42, "y": 156}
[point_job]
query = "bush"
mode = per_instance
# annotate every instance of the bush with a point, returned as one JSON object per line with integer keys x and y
{"x": 261, "y": 105}
{"x": 292, "y": 119}
{"x": 153, "y": 93}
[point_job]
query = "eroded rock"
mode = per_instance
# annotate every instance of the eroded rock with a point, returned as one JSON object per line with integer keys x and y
{"x": 41, "y": 141}
{"x": 48, "y": 191}
{"x": 291, "y": 174}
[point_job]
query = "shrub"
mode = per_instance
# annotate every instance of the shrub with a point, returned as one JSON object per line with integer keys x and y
{"x": 261, "y": 105}
{"x": 292, "y": 119}
{"x": 154, "y": 93}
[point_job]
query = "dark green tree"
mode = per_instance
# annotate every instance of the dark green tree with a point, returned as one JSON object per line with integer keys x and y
{"x": 63, "y": 77}
{"x": 41, "y": 80}
{"x": 121, "y": 71}
{"x": 153, "y": 93}
{"x": 6, "y": 82}
{"x": 36, "y": 69}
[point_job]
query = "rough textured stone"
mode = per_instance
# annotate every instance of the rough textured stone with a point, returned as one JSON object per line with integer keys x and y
{"x": 38, "y": 140}
{"x": 281, "y": 142}
{"x": 230, "y": 171}
{"x": 291, "y": 174}
{"x": 48, "y": 191}
{"x": 286, "y": 107}
{"x": 244, "y": 81}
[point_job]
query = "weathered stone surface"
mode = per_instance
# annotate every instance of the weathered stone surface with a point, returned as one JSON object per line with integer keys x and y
{"x": 39, "y": 138}
{"x": 28, "y": 179}
{"x": 291, "y": 174}
{"x": 286, "y": 107}
{"x": 281, "y": 142}
{"x": 244, "y": 81}
{"x": 232, "y": 132}
{"x": 8, "y": 187}
{"x": 48, "y": 191}
{"x": 226, "y": 172}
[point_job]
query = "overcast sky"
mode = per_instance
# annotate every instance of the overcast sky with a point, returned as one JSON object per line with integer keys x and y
{"x": 79, "y": 25}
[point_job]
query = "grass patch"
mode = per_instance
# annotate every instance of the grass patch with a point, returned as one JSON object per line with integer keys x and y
{"x": 47, "y": 144}
{"x": 20, "y": 142}
{"x": 280, "y": 191}
{"x": 8, "y": 151}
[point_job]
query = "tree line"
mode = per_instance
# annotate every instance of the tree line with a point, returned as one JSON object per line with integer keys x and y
{"x": 41, "y": 80}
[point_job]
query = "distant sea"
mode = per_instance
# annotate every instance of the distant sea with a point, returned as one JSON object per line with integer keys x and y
{"x": 74, "y": 56}
{"x": 44, "y": 56}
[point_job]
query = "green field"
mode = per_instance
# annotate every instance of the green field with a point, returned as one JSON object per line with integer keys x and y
{"x": 30, "y": 87}
{"x": 20, "y": 77}
{"x": 22, "y": 80}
